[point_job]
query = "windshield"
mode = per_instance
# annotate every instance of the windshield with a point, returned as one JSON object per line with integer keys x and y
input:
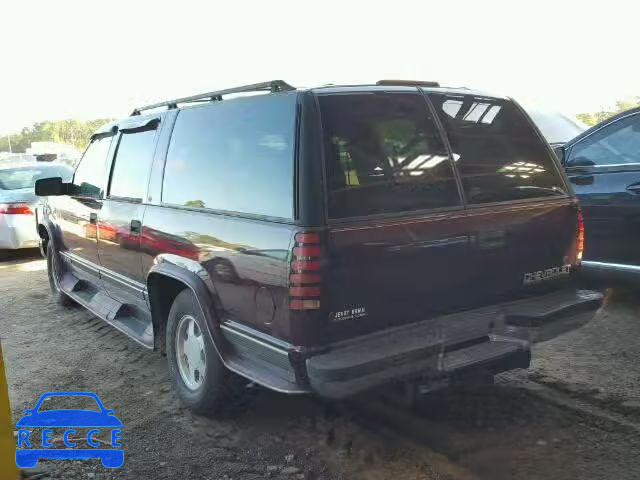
{"x": 556, "y": 127}
{"x": 25, "y": 177}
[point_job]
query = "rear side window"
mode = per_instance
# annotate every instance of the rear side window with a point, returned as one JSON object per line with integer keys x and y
{"x": 499, "y": 155}
{"x": 235, "y": 155}
{"x": 132, "y": 164}
{"x": 383, "y": 154}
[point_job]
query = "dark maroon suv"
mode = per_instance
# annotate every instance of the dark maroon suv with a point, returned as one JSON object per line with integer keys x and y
{"x": 328, "y": 240}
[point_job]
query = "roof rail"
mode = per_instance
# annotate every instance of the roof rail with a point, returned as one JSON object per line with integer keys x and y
{"x": 408, "y": 83}
{"x": 273, "y": 86}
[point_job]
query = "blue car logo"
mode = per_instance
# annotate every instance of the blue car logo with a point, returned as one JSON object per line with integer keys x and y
{"x": 27, "y": 455}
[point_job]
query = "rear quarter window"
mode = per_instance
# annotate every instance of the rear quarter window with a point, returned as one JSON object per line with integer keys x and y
{"x": 234, "y": 155}
{"x": 499, "y": 154}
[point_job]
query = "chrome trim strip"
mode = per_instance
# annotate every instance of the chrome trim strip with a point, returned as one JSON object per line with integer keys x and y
{"x": 127, "y": 282}
{"x": 614, "y": 267}
{"x": 259, "y": 338}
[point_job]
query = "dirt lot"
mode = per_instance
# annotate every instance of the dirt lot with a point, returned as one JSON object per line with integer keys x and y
{"x": 575, "y": 414}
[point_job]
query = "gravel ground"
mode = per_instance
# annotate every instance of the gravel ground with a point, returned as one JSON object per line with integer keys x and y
{"x": 502, "y": 432}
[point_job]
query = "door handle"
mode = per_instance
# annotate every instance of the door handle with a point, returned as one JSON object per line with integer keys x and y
{"x": 582, "y": 179}
{"x": 634, "y": 188}
{"x": 93, "y": 218}
{"x": 135, "y": 227}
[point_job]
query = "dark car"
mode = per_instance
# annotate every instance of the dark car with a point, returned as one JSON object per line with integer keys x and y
{"x": 335, "y": 239}
{"x": 603, "y": 166}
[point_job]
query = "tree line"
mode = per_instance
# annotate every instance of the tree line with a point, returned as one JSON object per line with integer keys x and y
{"x": 71, "y": 132}
{"x": 597, "y": 117}
{"x": 78, "y": 132}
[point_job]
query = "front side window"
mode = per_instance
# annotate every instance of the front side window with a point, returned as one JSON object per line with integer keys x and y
{"x": 132, "y": 164}
{"x": 498, "y": 153}
{"x": 235, "y": 155}
{"x": 615, "y": 144}
{"x": 383, "y": 154}
{"x": 89, "y": 176}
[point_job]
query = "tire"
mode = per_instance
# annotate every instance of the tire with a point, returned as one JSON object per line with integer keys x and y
{"x": 53, "y": 272}
{"x": 207, "y": 391}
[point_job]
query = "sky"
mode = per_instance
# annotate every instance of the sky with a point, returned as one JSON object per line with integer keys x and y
{"x": 91, "y": 59}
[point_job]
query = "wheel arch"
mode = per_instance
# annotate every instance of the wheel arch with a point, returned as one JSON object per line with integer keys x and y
{"x": 165, "y": 281}
{"x": 46, "y": 233}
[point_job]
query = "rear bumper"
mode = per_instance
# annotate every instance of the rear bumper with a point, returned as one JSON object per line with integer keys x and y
{"x": 494, "y": 339}
{"x": 18, "y": 231}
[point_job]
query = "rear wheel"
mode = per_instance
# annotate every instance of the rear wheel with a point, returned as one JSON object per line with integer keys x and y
{"x": 202, "y": 382}
{"x": 53, "y": 272}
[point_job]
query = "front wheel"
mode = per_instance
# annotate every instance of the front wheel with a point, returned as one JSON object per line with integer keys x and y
{"x": 202, "y": 381}
{"x": 53, "y": 272}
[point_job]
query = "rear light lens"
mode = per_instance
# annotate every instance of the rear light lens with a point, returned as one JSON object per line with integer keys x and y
{"x": 305, "y": 277}
{"x": 15, "y": 209}
{"x": 580, "y": 237}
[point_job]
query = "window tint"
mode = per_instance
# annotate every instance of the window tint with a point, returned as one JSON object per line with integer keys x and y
{"x": 384, "y": 155}
{"x": 236, "y": 155}
{"x": 130, "y": 172}
{"x": 89, "y": 176}
{"x": 499, "y": 155}
{"x": 615, "y": 144}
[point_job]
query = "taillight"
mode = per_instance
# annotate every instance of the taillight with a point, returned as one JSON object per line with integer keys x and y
{"x": 580, "y": 238}
{"x": 305, "y": 276}
{"x": 15, "y": 209}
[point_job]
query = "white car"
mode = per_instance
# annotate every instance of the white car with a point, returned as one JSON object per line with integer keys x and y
{"x": 18, "y": 201}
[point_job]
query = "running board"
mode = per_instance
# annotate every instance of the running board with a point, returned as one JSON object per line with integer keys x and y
{"x": 128, "y": 319}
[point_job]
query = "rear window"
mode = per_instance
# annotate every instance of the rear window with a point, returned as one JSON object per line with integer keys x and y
{"x": 499, "y": 155}
{"x": 19, "y": 178}
{"x": 384, "y": 155}
{"x": 235, "y": 155}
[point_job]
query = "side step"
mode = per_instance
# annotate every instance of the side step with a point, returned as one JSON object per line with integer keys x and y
{"x": 128, "y": 319}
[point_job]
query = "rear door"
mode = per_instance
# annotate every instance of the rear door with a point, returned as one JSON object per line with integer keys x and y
{"x": 603, "y": 166}
{"x": 402, "y": 245}
{"x": 120, "y": 219}
{"x": 521, "y": 216}
{"x": 398, "y": 244}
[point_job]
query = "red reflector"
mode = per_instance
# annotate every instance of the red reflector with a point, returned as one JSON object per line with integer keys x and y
{"x": 304, "y": 291}
{"x": 302, "y": 265}
{"x": 304, "y": 304}
{"x": 15, "y": 209}
{"x": 306, "y": 251}
{"x": 580, "y": 237}
{"x": 307, "y": 237}
{"x": 297, "y": 278}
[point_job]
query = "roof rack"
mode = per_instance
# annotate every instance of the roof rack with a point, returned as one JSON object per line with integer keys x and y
{"x": 408, "y": 83}
{"x": 273, "y": 86}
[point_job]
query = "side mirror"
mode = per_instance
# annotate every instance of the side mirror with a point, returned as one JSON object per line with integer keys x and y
{"x": 581, "y": 162}
{"x": 559, "y": 151}
{"x": 49, "y": 187}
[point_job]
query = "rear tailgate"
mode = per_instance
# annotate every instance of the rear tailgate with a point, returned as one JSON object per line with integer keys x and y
{"x": 402, "y": 246}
